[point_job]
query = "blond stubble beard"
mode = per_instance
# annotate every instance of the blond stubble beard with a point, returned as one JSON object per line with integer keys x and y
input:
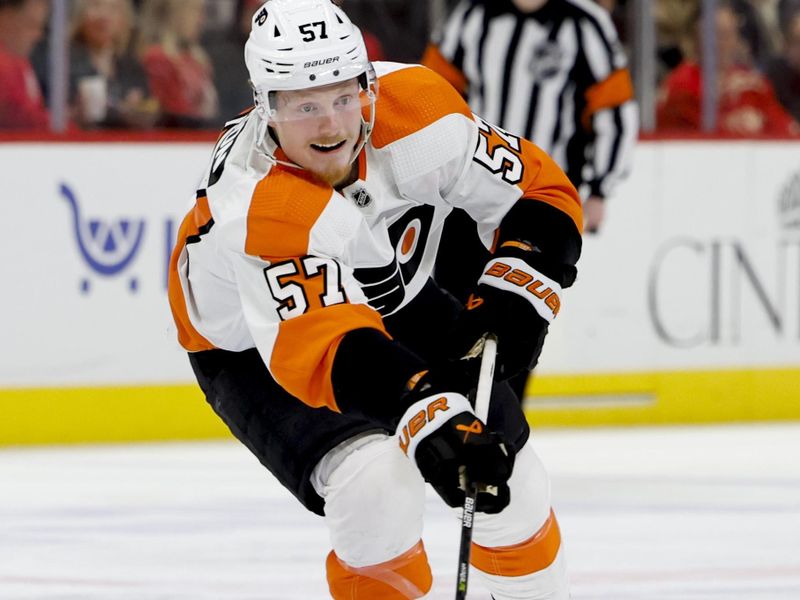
{"x": 334, "y": 177}
{"x": 339, "y": 177}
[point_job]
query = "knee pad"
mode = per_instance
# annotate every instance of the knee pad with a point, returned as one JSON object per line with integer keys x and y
{"x": 402, "y": 578}
{"x": 374, "y": 501}
{"x": 528, "y": 510}
{"x": 518, "y": 551}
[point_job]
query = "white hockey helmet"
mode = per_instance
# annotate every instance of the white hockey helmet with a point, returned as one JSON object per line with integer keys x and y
{"x": 301, "y": 44}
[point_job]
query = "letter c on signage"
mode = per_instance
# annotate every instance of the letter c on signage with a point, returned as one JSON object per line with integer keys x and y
{"x": 655, "y": 309}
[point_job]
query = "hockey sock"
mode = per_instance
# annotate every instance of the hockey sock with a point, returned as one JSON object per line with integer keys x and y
{"x": 402, "y": 578}
{"x": 531, "y": 569}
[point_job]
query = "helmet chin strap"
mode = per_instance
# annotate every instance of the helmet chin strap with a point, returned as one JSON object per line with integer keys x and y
{"x": 262, "y": 132}
{"x": 366, "y": 128}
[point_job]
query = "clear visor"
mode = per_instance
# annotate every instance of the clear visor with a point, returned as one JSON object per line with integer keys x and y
{"x": 340, "y": 99}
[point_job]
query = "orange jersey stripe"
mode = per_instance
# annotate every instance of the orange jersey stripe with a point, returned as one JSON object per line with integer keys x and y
{"x": 540, "y": 178}
{"x": 543, "y": 180}
{"x": 434, "y": 59}
{"x": 192, "y": 225}
{"x": 495, "y": 239}
{"x": 285, "y": 205}
{"x": 530, "y": 556}
{"x": 302, "y": 358}
{"x": 410, "y": 99}
{"x": 613, "y": 91}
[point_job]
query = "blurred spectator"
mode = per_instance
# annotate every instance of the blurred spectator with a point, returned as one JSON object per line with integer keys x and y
{"x": 108, "y": 87}
{"x": 746, "y": 105}
{"x": 394, "y": 30}
{"x": 674, "y": 18}
{"x": 752, "y": 31}
{"x": 784, "y": 70}
{"x": 675, "y": 27}
{"x": 231, "y": 77}
{"x": 178, "y": 69}
{"x": 373, "y": 44}
{"x": 768, "y": 15}
{"x": 22, "y": 24}
{"x": 787, "y": 8}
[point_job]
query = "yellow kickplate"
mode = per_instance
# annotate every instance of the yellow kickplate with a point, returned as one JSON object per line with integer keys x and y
{"x": 179, "y": 412}
{"x": 106, "y": 414}
{"x": 664, "y": 397}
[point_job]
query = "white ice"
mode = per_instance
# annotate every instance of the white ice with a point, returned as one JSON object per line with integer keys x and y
{"x": 708, "y": 512}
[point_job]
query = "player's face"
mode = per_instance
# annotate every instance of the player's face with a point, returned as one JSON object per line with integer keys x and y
{"x": 319, "y": 128}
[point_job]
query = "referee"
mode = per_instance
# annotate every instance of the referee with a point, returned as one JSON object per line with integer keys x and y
{"x": 554, "y": 72}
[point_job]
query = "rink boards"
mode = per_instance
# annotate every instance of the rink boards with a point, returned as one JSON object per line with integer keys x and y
{"x": 687, "y": 306}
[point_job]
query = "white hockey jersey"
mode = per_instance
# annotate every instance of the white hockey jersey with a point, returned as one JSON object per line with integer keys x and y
{"x": 271, "y": 257}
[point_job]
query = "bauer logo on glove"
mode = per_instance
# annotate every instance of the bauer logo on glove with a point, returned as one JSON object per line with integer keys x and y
{"x": 515, "y": 275}
{"x": 420, "y": 419}
{"x": 448, "y": 442}
{"x": 416, "y": 422}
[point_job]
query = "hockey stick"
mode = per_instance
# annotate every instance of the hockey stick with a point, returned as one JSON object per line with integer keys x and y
{"x": 482, "y": 397}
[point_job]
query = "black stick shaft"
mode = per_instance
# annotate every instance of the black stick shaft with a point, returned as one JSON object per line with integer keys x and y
{"x": 483, "y": 395}
{"x": 465, "y": 546}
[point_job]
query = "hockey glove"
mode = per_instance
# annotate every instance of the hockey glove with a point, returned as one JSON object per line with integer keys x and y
{"x": 515, "y": 301}
{"x": 451, "y": 446}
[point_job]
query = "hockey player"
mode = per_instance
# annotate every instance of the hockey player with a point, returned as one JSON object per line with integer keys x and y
{"x": 301, "y": 287}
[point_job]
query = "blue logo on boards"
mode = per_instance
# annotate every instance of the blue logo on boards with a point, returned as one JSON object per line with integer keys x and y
{"x": 109, "y": 247}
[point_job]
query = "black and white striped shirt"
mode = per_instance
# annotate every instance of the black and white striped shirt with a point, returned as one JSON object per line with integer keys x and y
{"x": 557, "y": 76}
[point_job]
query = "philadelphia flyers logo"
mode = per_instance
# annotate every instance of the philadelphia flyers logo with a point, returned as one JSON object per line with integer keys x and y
{"x": 408, "y": 241}
{"x": 385, "y": 287}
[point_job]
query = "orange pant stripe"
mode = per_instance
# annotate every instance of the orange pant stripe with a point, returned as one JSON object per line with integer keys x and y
{"x": 402, "y": 578}
{"x": 527, "y": 557}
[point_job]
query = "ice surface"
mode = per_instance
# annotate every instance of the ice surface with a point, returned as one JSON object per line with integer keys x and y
{"x": 708, "y": 512}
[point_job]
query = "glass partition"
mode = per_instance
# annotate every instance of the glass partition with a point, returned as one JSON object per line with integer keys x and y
{"x": 722, "y": 67}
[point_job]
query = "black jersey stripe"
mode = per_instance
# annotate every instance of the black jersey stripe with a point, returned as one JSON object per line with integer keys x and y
{"x": 601, "y": 34}
{"x": 511, "y": 53}
{"x": 481, "y": 47}
{"x": 458, "y": 54}
{"x": 614, "y": 156}
{"x": 201, "y": 231}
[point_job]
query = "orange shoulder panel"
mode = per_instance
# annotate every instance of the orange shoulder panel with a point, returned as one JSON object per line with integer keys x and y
{"x": 302, "y": 358}
{"x": 544, "y": 180}
{"x": 434, "y": 59}
{"x": 285, "y": 205}
{"x": 410, "y": 99}
{"x": 613, "y": 91}
{"x": 541, "y": 179}
{"x": 196, "y": 222}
